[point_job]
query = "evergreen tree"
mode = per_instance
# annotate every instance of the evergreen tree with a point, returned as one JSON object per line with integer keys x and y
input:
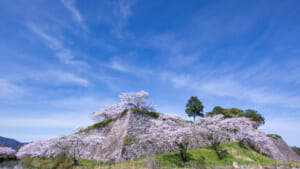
{"x": 194, "y": 107}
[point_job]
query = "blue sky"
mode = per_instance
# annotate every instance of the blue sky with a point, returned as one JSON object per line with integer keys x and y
{"x": 62, "y": 60}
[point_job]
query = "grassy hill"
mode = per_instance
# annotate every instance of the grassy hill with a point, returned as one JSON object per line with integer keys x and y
{"x": 202, "y": 156}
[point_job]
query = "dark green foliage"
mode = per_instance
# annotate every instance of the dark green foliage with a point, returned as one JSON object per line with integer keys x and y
{"x": 194, "y": 107}
{"x": 228, "y": 113}
{"x": 296, "y": 149}
{"x": 145, "y": 112}
{"x": 98, "y": 125}
{"x": 274, "y": 136}
{"x": 7, "y": 158}
{"x": 233, "y": 112}
{"x": 253, "y": 115}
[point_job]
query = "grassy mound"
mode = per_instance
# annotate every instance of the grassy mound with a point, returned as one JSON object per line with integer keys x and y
{"x": 145, "y": 112}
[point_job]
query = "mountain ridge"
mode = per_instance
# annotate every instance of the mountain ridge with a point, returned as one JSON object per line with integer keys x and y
{"x": 9, "y": 142}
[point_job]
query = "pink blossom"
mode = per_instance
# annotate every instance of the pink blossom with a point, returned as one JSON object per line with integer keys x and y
{"x": 7, "y": 151}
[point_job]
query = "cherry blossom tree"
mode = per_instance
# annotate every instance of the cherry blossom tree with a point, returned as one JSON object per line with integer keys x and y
{"x": 216, "y": 137}
{"x": 128, "y": 100}
{"x": 137, "y": 100}
{"x": 7, "y": 151}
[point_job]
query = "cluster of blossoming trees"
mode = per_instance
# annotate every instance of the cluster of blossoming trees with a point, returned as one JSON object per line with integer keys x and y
{"x": 7, "y": 151}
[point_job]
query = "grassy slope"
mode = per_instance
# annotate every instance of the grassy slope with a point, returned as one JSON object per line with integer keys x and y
{"x": 233, "y": 153}
{"x": 195, "y": 158}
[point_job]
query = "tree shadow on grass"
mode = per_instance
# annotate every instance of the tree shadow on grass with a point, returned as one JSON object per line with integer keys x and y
{"x": 175, "y": 159}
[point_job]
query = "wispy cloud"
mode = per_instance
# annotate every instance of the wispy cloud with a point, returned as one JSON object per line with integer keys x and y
{"x": 116, "y": 65}
{"x": 125, "y": 7}
{"x": 123, "y": 10}
{"x": 65, "y": 78}
{"x": 64, "y": 54}
{"x": 124, "y": 66}
{"x": 9, "y": 90}
{"x": 230, "y": 87}
{"x": 70, "y": 5}
{"x": 174, "y": 49}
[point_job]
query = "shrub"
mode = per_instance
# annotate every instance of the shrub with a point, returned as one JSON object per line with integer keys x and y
{"x": 127, "y": 140}
{"x": 227, "y": 113}
{"x": 253, "y": 115}
{"x": 62, "y": 161}
{"x": 145, "y": 112}
{"x": 100, "y": 124}
{"x": 18, "y": 148}
{"x": 274, "y": 136}
{"x": 233, "y": 112}
{"x": 297, "y": 150}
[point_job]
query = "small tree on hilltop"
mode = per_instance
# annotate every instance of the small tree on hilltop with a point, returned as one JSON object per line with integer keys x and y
{"x": 194, "y": 107}
{"x": 128, "y": 100}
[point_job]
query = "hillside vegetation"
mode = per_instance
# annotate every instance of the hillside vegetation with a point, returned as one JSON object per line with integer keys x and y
{"x": 197, "y": 157}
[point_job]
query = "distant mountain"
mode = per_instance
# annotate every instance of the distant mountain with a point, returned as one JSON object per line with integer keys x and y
{"x": 8, "y": 142}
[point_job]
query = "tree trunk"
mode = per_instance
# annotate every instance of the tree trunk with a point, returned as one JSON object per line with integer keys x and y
{"x": 217, "y": 152}
{"x": 194, "y": 117}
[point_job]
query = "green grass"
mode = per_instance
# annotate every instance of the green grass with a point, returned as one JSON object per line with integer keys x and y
{"x": 274, "y": 136}
{"x": 145, "y": 112}
{"x": 98, "y": 125}
{"x": 124, "y": 112}
{"x": 232, "y": 152}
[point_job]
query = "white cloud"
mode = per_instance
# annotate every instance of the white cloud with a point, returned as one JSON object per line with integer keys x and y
{"x": 175, "y": 49}
{"x": 125, "y": 7}
{"x": 56, "y": 77}
{"x": 69, "y": 4}
{"x": 64, "y": 77}
{"x": 9, "y": 90}
{"x": 64, "y": 54}
{"x": 123, "y": 10}
{"x": 229, "y": 87}
{"x": 117, "y": 65}
{"x": 86, "y": 104}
